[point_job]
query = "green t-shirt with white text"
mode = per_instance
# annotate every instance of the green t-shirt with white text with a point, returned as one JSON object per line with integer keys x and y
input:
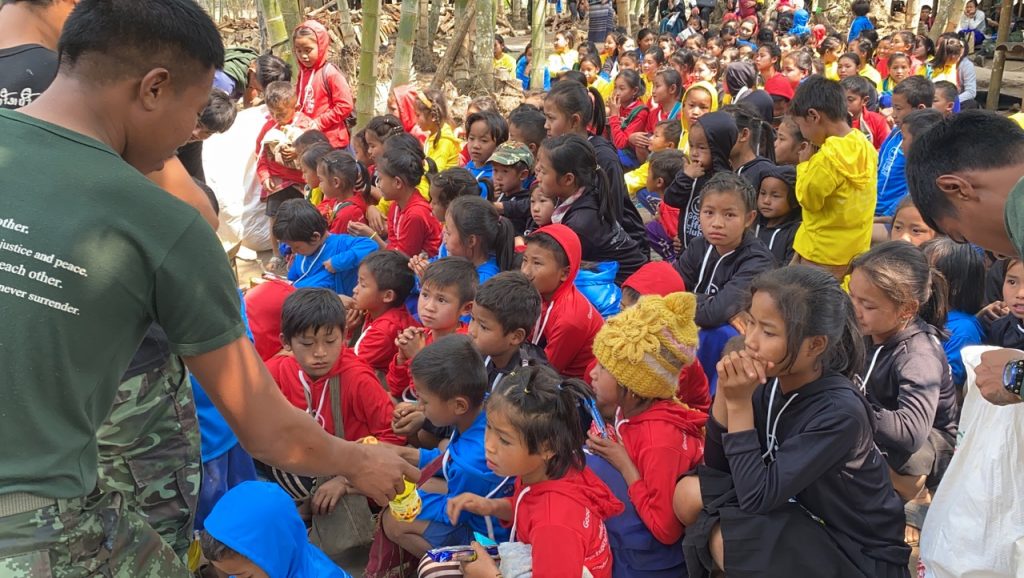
{"x": 91, "y": 253}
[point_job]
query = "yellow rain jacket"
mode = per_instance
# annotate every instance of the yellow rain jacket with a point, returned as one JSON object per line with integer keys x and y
{"x": 837, "y": 189}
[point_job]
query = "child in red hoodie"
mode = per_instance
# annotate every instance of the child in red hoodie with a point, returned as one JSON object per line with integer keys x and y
{"x": 313, "y": 331}
{"x": 324, "y": 94}
{"x": 383, "y": 285}
{"x": 568, "y": 322}
{"x": 656, "y": 439}
{"x": 661, "y": 278}
{"x": 535, "y": 432}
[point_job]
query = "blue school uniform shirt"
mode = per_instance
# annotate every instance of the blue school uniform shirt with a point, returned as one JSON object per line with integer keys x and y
{"x": 859, "y": 24}
{"x": 525, "y": 78}
{"x": 964, "y": 329}
{"x": 259, "y": 521}
{"x": 482, "y": 172}
{"x": 215, "y": 435}
{"x": 892, "y": 178}
{"x": 345, "y": 252}
{"x": 465, "y": 469}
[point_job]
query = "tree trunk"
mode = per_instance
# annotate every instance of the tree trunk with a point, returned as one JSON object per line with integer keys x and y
{"x": 348, "y": 32}
{"x": 423, "y": 54}
{"x": 435, "y": 19}
{"x": 995, "y": 82}
{"x": 621, "y": 15}
{"x": 277, "y": 29}
{"x": 406, "y": 39}
{"x": 517, "y": 20}
{"x": 483, "y": 47}
{"x": 464, "y": 59}
{"x": 913, "y": 15}
{"x": 947, "y": 18}
{"x": 538, "y": 46}
{"x": 367, "y": 87}
{"x": 291, "y": 14}
{"x": 461, "y": 30}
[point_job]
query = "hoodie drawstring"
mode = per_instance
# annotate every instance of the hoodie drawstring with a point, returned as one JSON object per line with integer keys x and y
{"x": 769, "y": 430}
{"x": 871, "y": 368}
{"x": 704, "y": 264}
{"x": 541, "y": 325}
{"x": 515, "y": 513}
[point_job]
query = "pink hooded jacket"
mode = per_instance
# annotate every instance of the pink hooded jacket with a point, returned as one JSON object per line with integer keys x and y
{"x": 323, "y": 93}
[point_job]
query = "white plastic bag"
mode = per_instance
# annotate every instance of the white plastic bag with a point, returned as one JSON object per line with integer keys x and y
{"x": 975, "y": 525}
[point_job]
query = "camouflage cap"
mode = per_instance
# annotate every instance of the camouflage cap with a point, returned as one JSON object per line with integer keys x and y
{"x": 511, "y": 152}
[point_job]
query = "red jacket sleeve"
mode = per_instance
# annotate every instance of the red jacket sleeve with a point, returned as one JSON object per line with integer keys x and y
{"x": 693, "y": 387}
{"x": 558, "y": 552}
{"x": 659, "y": 468}
{"x": 398, "y": 377}
{"x": 340, "y": 106}
{"x": 620, "y": 137}
{"x": 367, "y": 404}
{"x": 879, "y": 130}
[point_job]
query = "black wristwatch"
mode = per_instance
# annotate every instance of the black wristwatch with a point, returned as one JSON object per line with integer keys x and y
{"x": 1013, "y": 376}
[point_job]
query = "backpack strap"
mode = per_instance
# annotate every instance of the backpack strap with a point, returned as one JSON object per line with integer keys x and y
{"x": 631, "y": 117}
{"x": 339, "y": 423}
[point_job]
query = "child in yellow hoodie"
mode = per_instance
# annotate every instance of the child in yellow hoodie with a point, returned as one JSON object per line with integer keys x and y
{"x": 698, "y": 100}
{"x": 441, "y": 144}
{"x": 835, "y": 186}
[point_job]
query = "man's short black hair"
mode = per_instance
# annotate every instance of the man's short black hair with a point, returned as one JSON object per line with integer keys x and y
{"x": 311, "y": 308}
{"x": 116, "y": 39}
{"x": 390, "y": 270}
{"x": 821, "y": 94}
{"x": 666, "y": 164}
{"x": 917, "y": 90}
{"x": 455, "y": 272}
{"x": 970, "y": 141}
{"x": 861, "y": 7}
{"x": 298, "y": 220}
{"x": 947, "y": 89}
{"x": 219, "y": 114}
{"x": 512, "y": 299}
{"x": 451, "y": 367}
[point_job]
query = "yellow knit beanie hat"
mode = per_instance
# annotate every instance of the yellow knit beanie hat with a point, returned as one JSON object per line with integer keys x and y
{"x": 646, "y": 346}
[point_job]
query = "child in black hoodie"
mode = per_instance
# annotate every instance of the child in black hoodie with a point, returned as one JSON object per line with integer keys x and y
{"x": 567, "y": 168}
{"x": 711, "y": 139}
{"x": 720, "y": 265}
{"x": 755, "y": 137}
{"x": 793, "y": 484}
{"x": 504, "y": 312}
{"x": 900, "y": 301}
{"x": 778, "y": 213}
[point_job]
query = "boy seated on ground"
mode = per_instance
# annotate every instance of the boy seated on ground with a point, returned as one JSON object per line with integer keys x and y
{"x": 313, "y": 336}
{"x": 254, "y": 531}
{"x": 451, "y": 399}
{"x": 321, "y": 258}
{"x": 506, "y": 308}
{"x": 383, "y": 284}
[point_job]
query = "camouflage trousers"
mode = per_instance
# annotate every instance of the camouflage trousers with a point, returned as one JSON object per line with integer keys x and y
{"x": 149, "y": 451}
{"x": 93, "y": 536}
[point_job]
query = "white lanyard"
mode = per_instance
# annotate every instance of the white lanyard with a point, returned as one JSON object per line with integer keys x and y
{"x": 711, "y": 280}
{"x": 871, "y": 368}
{"x": 538, "y": 328}
{"x": 366, "y": 330}
{"x": 317, "y": 415}
{"x": 306, "y": 270}
{"x": 497, "y": 378}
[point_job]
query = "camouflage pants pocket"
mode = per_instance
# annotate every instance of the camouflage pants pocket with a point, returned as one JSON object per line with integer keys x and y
{"x": 34, "y": 564}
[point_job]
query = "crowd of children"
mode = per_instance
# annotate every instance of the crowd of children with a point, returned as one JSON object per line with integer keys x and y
{"x": 779, "y": 368}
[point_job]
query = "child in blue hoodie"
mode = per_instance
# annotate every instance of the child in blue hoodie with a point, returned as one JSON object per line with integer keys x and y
{"x": 321, "y": 259}
{"x": 255, "y": 530}
{"x": 456, "y": 399}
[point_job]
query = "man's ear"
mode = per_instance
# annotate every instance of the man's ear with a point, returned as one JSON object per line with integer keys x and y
{"x": 155, "y": 84}
{"x": 956, "y": 188}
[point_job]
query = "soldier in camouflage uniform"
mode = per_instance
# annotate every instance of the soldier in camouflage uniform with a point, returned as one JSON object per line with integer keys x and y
{"x": 149, "y": 450}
